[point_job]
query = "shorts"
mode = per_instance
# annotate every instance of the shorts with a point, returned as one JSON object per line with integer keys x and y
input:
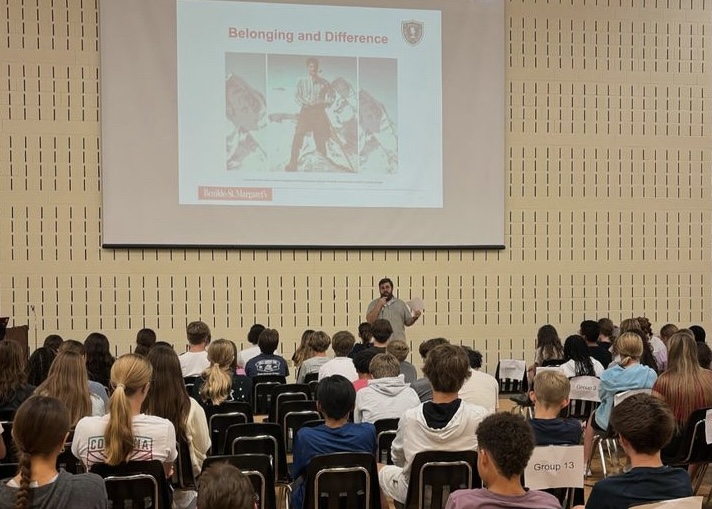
{"x": 393, "y": 483}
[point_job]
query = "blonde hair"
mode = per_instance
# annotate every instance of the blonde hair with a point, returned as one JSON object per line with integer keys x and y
{"x": 68, "y": 382}
{"x": 398, "y": 348}
{"x": 129, "y": 374}
{"x": 551, "y": 387}
{"x": 218, "y": 379}
{"x": 629, "y": 346}
{"x": 384, "y": 365}
{"x": 630, "y": 324}
{"x": 304, "y": 351}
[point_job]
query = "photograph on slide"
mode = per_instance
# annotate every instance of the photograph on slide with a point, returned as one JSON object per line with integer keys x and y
{"x": 311, "y": 113}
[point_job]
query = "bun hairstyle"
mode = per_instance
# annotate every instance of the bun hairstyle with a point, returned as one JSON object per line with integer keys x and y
{"x": 218, "y": 378}
{"x": 129, "y": 375}
{"x": 39, "y": 428}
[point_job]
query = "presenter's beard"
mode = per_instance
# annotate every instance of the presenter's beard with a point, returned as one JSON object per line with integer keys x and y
{"x": 387, "y": 295}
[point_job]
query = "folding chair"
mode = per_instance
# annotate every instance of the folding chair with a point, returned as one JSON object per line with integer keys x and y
{"x": 183, "y": 477}
{"x": 136, "y": 484}
{"x": 258, "y": 468}
{"x": 385, "y": 434}
{"x": 691, "y": 447}
{"x": 219, "y": 424}
{"x": 260, "y": 438}
{"x": 583, "y": 397}
{"x": 342, "y": 480}
{"x": 293, "y": 422}
{"x": 436, "y": 474}
{"x": 284, "y": 393}
{"x": 262, "y": 386}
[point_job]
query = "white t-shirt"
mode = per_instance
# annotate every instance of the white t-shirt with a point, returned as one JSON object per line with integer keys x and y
{"x": 569, "y": 368}
{"x": 246, "y": 355}
{"x": 343, "y": 366}
{"x": 193, "y": 363}
{"x": 154, "y": 439}
{"x": 481, "y": 389}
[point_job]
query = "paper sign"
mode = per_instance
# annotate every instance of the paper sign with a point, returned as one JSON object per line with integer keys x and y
{"x": 512, "y": 369}
{"x": 675, "y": 503}
{"x": 416, "y": 304}
{"x": 708, "y": 427}
{"x": 585, "y": 388}
{"x": 555, "y": 466}
{"x": 621, "y": 396}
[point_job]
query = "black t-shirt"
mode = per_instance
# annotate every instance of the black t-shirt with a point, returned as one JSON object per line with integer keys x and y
{"x": 556, "y": 431}
{"x": 639, "y": 486}
{"x": 601, "y": 354}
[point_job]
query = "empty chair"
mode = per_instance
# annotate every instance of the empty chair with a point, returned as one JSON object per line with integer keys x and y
{"x": 262, "y": 386}
{"x": 219, "y": 424}
{"x": 260, "y": 438}
{"x": 436, "y": 474}
{"x": 311, "y": 377}
{"x": 258, "y": 468}
{"x": 183, "y": 477}
{"x": 511, "y": 375}
{"x": 342, "y": 480}
{"x": 286, "y": 392}
{"x": 583, "y": 397}
{"x": 385, "y": 433}
{"x": 294, "y": 420}
{"x": 136, "y": 484}
{"x": 229, "y": 407}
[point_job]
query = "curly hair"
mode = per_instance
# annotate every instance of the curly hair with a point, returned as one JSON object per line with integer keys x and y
{"x": 508, "y": 440}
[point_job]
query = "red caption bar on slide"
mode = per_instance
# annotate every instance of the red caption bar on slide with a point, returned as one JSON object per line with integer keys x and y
{"x": 235, "y": 193}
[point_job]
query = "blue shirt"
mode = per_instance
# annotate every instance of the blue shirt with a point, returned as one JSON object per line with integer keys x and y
{"x": 639, "y": 486}
{"x": 267, "y": 364}
{"x": 556, "y": 431}
{"x": 311, "y": 442}
{"x": 618, "y": 379}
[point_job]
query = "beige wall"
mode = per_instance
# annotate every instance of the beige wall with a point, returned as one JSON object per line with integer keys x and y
{"x": 608, "y": 205}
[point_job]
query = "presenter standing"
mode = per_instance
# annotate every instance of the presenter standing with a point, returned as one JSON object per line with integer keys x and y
{"x": 312, "y": 97}
{"x": 392, "y": 309}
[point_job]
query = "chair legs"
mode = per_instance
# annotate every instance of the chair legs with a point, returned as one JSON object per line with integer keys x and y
{"x": 611, "y": 445}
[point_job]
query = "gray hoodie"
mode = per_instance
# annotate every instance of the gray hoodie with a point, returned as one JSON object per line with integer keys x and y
{"x": 384, "y": 398}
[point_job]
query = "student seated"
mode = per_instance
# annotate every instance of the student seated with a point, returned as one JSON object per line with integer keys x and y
{"x": 335, "y": 400}
{"x": 550, "y": 396}
{"x": 223, "y": 486}
{"x": 267, "y": 363}
{"x": 318, "y": 343}
{"x": 505, "y": 445}
{"x": 362, "y": 363}
{"x": 382, "y": 331}
{"x": 342, "y": 343}
{"x": 195, "y": 360}
{"x": 644, "y": 425}
{"x": 400, "y": 350}
{"x": 253, "y": 350}
{"x": 40, "y": 429}
{"x": 422, "y": 385}
{"x": 220, "y": 382}
{"x": 366, "y": 337}
{"x": 481, "y": 388}
{"x": 445, "y": 423}
{"x": 387, "y": 395}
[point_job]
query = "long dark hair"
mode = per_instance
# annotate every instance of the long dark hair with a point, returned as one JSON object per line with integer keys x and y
{"x": 576, "y": 349}
{"x": 167, "y": 396}
{"x": 39, "y": 428}
{"x": 12, "y": 370}
{"x": 548, "y": 342}
{"x": 145, "y": 339}
{"x": 99, "y": 358}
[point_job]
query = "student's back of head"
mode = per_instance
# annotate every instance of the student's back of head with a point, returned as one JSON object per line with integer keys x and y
{"x": 53, "y": 341}
{"x": 551, "y": 389}
{"x": 268, "y": 341}
{"x": 38, "y": 365}
{"x": 429, "y": 344}
{"x": 590, "y": 330}
{"x": 254, "y": 334}
{"x": 384, "y": 365}
{"x": 505, "y": 443}
{"x": 447, "y": 367}
{"x": 362, "y": 361}
{"x": 198, "y": 333}
{"x": 319, "y": 342}
{"x": 643, "y": 421}
{"x": 222, "y": 486}
{"x": 381, "y": 330}
{"x": 474, "y": 356}
{"x": 335, "y": 396}
{"x": 145, "y": 339}
{"x": 342, "y": 343}
{"x": 399, "y": 349}
{"x": 218, "y": 376}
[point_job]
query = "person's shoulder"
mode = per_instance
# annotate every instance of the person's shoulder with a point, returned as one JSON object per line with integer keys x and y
{"x": 86, "y": 481}
{"x": 542, "y": 499}
{"x": 474, "y": 410}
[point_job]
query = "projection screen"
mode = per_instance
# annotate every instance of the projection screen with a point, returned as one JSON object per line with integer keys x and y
{"x": 348, "y": 124}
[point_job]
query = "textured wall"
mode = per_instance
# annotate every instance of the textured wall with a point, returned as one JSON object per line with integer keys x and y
{"x": 608, "y": 196}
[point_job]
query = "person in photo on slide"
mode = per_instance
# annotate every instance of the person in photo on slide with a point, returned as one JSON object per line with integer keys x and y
{"x": 392, "y": 309}
{"x": 312, "y": 93}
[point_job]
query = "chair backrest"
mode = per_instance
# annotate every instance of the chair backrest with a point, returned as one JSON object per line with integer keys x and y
{"x": 622, "y": 396}
{"x": 10, "y": 454}
{"x": 342, "y": 480}
{"x": 189, "y": 382}
{"x": 139, "y": 492}
{"x": 258, "y": 468}
{"x": 259, "y": 438}
{"x": 385, "y": 434}
{"x": 555, "y": 466}
{"x": 69, "y": 462}
{"x": 676, "y": 503}
{"x": 183, "y": 477}
{"x": 229, "y": 407}
{"x": 583, "y": 397}
{"x": 311, "y": 377}
{"x": 511, "y": 375}
{"x": 692, "y": 446}
{"x": 286, "y": 392}
{"x": 262, "y": 386}
{"x": 219, "y": 424}
{"x": 300, "y": 405}
{"x": 436, "y": 474}
{"x": 293, "y": 422}
{"x": 313, "y": 385}
{"x": 8, "y": 470}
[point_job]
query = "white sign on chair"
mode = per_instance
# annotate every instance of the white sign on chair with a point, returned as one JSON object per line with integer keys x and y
{"x": 555, "y": 466}
{"x": 512, "y": 369}
{"x": 585, "y": 388}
